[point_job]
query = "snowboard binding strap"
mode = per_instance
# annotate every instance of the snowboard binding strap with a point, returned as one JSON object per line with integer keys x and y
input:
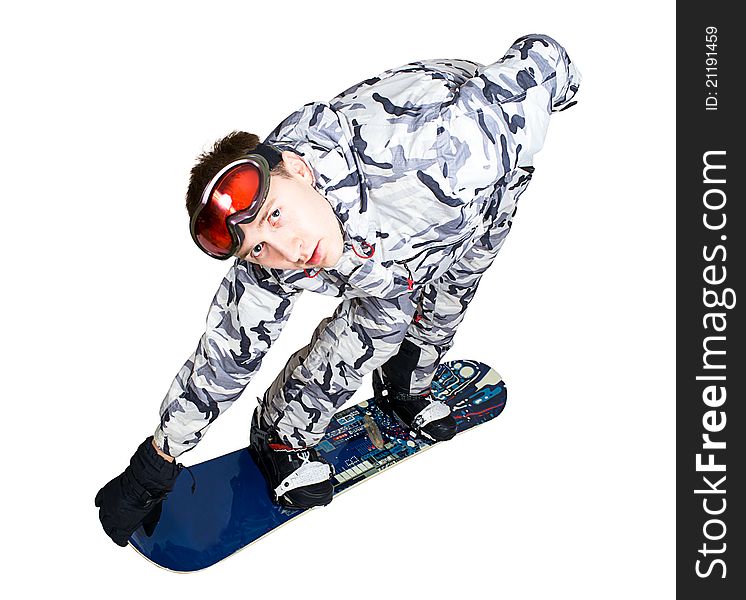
{"x": 434, "y": 411}
{"x": 308, "y": 473}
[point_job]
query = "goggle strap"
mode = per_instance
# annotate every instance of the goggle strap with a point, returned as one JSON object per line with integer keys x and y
{"x": 269, "y": 153}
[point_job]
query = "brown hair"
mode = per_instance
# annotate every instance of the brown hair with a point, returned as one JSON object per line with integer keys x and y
{"x": 232, "y": 147}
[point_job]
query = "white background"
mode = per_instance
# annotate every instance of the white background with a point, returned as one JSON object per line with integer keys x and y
{"x": 569, "y": 494}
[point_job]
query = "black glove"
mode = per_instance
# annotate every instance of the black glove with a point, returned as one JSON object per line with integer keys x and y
{"x": 134, "y": 497}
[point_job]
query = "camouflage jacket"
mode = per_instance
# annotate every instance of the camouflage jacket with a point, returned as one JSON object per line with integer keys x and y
{"x": 410, "y": 160}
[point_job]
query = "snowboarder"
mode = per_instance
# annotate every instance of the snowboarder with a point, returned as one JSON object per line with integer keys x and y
{"x": 395, "y": 196}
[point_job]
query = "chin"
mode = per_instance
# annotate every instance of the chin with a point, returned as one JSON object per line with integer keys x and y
{"x": 331, "y": 261}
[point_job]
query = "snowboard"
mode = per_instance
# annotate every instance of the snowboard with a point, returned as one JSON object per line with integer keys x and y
{"x": 228, "y": 505}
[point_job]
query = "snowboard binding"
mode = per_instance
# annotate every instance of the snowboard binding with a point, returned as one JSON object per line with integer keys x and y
{"x": 296, "y": 477}
{"x": 420, "y": 414}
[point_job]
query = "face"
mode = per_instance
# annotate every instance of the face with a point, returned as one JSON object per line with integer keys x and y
{"x": 296, "y": 227}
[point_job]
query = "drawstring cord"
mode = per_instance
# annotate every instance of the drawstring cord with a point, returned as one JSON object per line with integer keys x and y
{"x": 410, "y": 281}
{"x": 363, "y": 246}
{"x": 194, "y": 481}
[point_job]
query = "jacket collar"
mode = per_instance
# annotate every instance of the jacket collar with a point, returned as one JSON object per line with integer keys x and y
{"x": 338, "y": 181}
{"x": 323, "y": 138}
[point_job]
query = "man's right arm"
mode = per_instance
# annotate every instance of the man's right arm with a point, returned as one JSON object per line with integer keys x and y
{"x": 245, "y": 317}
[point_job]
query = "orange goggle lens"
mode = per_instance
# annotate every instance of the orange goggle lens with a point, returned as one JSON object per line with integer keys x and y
{"x": 235, "y": 197}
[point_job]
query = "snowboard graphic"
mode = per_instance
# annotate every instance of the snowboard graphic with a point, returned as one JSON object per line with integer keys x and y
{"x": 231, "y": 508}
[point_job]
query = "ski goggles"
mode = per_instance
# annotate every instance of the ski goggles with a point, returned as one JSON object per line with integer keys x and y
{"x": 234, "y": 196}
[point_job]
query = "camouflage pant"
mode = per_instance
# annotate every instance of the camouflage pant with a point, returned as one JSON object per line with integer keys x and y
{"x": 440, "y": 309}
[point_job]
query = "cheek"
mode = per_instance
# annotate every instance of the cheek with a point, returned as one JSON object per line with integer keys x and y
{"x": 306, "y": 216}
{"x": 323, "y": 218}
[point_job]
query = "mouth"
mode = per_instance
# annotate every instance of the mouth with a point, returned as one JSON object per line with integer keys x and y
{"x": 316, "y": 256}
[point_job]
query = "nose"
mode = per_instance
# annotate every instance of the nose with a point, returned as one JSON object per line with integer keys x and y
{"x": 289, "y": 247}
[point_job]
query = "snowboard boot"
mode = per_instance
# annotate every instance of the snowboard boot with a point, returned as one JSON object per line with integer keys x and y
{"x": 296, "y": 477}
{"x": 419, "y": 413}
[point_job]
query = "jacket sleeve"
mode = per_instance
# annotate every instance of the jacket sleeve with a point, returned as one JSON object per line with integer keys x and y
{"x": 247, "y": 314}
{"x": 499, "y": 119}
{"x": 360, "y": 336}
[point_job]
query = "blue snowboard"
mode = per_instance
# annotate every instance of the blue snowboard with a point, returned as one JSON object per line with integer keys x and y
{"x": 231, "y": 507}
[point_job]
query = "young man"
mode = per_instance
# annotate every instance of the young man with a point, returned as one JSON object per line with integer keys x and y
{"x": 395, "y": 196}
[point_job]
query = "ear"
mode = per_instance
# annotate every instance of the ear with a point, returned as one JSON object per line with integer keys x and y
{"x": 297, "y": 167}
